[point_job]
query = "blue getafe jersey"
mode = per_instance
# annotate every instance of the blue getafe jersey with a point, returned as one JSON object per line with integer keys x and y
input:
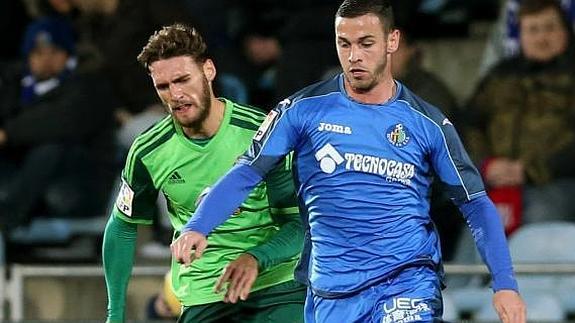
{"x": 364, "y": 172}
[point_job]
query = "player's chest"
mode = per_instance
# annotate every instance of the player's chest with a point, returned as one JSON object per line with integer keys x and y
{"x": 187, "y": 178}
{"x": 351, "y": 138}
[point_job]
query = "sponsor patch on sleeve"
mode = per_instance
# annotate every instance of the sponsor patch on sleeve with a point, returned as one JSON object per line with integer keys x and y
{"x": 125, "y": 199}
{"x": 264, "y": 127}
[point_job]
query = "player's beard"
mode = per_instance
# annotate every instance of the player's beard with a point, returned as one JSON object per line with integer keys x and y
{"x": 203, "y": 108}
{"x": 373, "y": 79}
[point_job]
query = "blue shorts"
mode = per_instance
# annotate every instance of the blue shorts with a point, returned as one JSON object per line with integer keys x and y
{"x": 413, "y": 295}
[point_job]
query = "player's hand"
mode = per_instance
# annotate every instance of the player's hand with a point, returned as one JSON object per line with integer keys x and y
{"x": 509, "y": 306}
{"x": 189, "y": 246}
{"x": 239, "y": 275}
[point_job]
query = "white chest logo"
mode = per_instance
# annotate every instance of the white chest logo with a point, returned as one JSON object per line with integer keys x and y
{"x": 328, "y": 158}
{"x": 334, "y": 128}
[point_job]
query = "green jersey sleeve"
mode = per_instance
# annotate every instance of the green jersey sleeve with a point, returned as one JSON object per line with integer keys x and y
{"x": 118, "y": 250}
{"x": 136, "y": 202}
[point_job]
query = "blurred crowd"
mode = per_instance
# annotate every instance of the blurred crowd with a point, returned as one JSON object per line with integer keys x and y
{"x": 73, "y": 97}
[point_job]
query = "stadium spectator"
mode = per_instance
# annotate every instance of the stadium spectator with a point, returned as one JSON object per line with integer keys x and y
{"x": 307, "y": 45}
{"x": 365, "y": 147}
{"x": 254, "y": 67}
{"x": 521, "y": 120}
{"x": 54, "y": 8}
{"x": 408, "y": 68}
{"x": 117, "y": 28}
{"x": 181, "y": 157}
{"x": 55, "y": 130}
{"x": 504, "y": 41}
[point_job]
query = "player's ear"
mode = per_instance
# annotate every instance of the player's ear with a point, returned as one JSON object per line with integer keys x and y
{"x": 209, "y": 70}
{"x": 393, "y": 41}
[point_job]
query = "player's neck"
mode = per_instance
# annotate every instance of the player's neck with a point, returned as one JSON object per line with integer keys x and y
{"x": 212, "y": 123}
{"x": 379, "y": 94}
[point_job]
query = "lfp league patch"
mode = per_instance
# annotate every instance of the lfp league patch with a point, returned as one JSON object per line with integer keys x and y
{"x": 398, "y": 135}
{"x": 125, "y": 199}
{"x": 264, "y": 127}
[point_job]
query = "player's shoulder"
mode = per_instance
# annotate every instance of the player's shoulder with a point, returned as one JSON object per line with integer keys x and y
{"x": 311, "y": 94}
{"x": 419, "y": 106}
{"x": 246, "y": 116}
{"x": 247, "y": 109}
{"x": 153, "y": 137}
{"x": 153, "y": 130}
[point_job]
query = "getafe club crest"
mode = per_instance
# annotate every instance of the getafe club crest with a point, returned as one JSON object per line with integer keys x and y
{"x": 398, "y": 135}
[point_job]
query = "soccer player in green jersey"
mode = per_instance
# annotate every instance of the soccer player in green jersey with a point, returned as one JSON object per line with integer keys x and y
{"x": 254, "y": 253}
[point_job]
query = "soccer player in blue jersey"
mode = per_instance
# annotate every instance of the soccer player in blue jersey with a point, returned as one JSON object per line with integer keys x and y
{"x": 365, "y": 150}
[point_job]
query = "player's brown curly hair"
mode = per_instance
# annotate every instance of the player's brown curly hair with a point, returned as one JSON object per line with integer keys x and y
{"x": 171, "y": 41}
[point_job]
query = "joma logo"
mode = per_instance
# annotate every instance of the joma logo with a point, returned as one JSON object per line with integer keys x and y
{"x": 334, "y": 128}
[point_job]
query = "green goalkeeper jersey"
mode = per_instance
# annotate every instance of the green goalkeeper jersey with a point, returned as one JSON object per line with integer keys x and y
{"x": 163, "y": 160}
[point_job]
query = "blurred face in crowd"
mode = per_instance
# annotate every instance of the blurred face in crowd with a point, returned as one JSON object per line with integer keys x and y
{"x": 184, "y": 86}
{"x": 363, "y": 48}
{"x": 47, "y": 61}
{"x": 106, "y": 7}
{"x": 543, "y": 35}
{"x": 61, "y": 6}
{"x": 402, "y": 58}
{"x": 262, "y": 50}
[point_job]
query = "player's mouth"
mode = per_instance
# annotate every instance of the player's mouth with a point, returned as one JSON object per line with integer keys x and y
{"x": 358, "y": 72}
{"x": 182, "y": 107}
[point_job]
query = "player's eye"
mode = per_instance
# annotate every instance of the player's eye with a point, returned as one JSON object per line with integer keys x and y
{"x": 181, "y": 80}
{"x": 343, "y": 44}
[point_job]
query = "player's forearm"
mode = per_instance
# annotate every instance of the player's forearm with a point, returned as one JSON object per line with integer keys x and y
{"x": 224, "y": 198}
{"x": 487, "y": 231}
{"x": 118, "y": 258}
{"x": 285, "y": 244}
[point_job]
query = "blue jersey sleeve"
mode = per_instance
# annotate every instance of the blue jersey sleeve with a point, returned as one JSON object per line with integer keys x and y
{"x": 225, "y": 197}
{"x": 487, "y": 231}
{"x": 453, "y": 165}
{"x": 445, "y": 152}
